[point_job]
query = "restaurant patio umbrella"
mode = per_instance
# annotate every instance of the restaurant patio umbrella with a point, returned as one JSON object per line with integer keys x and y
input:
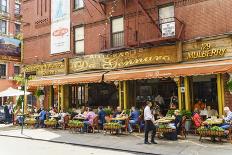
{"x": 12, "y": 92}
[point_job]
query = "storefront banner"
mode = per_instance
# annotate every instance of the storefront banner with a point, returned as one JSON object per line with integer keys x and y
{"x": 60, "y": 26}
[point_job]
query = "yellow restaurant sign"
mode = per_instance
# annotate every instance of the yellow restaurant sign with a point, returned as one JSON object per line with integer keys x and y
{"x": 45, "y": 69}
{"x": 165, "y": 54}
{"x": 207, "y": 51}
{"x": 9, "y": 58}
{"x": 130, "y": 58}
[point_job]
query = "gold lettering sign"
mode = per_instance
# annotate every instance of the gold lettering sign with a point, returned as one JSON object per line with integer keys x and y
{"x": 206, "y": 51}
{"x": 9, "y": 58}
{"x": 123, "y": 59}
{"x": 46, "y": 68}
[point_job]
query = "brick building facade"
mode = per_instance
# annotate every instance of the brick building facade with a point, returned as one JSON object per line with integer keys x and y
{"x": 119, "y": 26}
{"x": 10, "y": 52}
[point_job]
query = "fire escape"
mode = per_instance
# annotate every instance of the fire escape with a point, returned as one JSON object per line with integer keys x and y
{"x": 151, "y": 32}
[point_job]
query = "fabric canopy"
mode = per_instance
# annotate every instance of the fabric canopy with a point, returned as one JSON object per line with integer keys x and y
{"x": 67, "y": 79}
{"x": 176, "y": 70}
{"x": 12, "y": 92}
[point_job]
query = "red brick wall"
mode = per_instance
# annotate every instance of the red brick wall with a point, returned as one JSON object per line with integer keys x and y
{"x": 201, "y": 18}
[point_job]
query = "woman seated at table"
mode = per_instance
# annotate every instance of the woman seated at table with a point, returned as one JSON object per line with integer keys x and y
{"x": 89, "y": 119}
{"x": 52, "y": 111}
{"x": 196, "y": 118}
{"x": 118, "y": 113}
{"x": 134, "y": 117}
{"x": 62, "y": 115}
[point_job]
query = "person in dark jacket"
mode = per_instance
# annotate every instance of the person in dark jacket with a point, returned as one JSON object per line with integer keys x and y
{"x": 101, "y": 116}
{"x": 7, "y": 114}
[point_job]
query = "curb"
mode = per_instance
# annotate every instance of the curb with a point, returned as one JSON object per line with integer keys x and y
{"x": 83, "y": 145}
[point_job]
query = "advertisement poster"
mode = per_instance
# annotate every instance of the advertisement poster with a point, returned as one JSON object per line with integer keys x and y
{"x": 60, "y": 26}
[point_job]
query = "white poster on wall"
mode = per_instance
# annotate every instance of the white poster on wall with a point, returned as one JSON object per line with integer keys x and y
{"x": 168, "y": 29}
{"x": 60, "y": 26}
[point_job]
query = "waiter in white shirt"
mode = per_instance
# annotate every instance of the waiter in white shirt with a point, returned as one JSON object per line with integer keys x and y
{"x": 149, "y": 124}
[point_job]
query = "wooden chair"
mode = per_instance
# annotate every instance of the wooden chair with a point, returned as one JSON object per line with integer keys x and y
{"x": 230, "y": 133}
{"x": 125, "y": 126}
{"x": 64, "y": 125}
{"x": 95, "y": 124}
{"x": 182, "y": 127}
{"x": 137, "y": 126}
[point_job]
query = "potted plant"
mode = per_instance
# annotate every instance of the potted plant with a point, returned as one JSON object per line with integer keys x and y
{"x": 229, "y": 86}
{"x": 108, "y": 114}
{"x": 39, "y": 93}
{"x": 188, "y": 122}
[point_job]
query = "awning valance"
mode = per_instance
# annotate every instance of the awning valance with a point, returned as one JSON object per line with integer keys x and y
{"x": 176, "y": 70}
{"x": 67, "y": 79}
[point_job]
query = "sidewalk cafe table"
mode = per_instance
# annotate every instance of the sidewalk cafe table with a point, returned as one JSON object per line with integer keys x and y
{"x": 52, "y": 122}
{"x": 206, "y": 129}
{"x": 79, "y": 118}
{"x": 163, "y": 125}
{"x": 114, "y": 124}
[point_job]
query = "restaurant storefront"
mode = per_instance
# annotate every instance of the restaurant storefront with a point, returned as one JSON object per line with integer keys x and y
{"x": 195, "y": 70}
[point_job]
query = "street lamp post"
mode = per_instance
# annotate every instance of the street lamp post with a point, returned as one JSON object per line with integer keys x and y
{"x": 24, "y": 99}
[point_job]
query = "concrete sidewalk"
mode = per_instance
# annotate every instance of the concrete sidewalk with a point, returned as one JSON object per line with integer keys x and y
{"x": 133, "y": 142}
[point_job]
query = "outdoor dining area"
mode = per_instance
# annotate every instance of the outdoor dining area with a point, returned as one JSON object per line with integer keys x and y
{"x": 172, "y": 126}
{"x": 175, "y": 124}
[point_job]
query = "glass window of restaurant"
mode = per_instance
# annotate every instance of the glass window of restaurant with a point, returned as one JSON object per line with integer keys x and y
{"x": 102, "y": 94}
{"x": 204, "y": 92}
{"x": 151, "y": 88}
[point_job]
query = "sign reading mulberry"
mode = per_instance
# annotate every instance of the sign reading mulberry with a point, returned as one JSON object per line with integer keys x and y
{"x": 60, "y": 26}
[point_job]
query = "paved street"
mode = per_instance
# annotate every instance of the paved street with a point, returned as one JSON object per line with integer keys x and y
{"x": 34, "y": 147}
{"x": 134, "y": 142}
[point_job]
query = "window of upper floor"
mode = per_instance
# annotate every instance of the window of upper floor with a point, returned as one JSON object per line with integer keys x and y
{"x": 117, "y": 32}
{"x": 4, "y": 6}
{"x": 79, "y": 40}
{"x": 16, "y": 70}
{"x": 167, "y": 20}
{"x": 78, "y": 4}
{"x": 17, "y": 9}
{"x": 17, "y": 28}
{"x": 2, "y": 70}
{"x": 3, "y": 27}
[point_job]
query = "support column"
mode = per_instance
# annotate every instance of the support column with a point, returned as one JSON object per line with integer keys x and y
{"x": 187, "y": 94}
{"x": 58, "y": 94}
{"x": 125, "y": 94}
{"x": 220, "y": 91}
{"x": 120, "y": 93}
{"x": 62, "y": 97}
{"x": 179, "y": 94}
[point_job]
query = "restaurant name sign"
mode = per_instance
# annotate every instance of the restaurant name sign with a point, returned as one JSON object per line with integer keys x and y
{"x": 123, "y": 59}
{"x": 45, "y": 69}
{"x": 207, "y": 51}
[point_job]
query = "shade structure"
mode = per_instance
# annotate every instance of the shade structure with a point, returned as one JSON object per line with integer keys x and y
{"x": 12, "y": 92}
{"x": 176, "y": 70}
{"x": 94, "y": 77}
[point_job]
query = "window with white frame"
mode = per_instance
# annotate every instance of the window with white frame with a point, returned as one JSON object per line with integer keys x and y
{"x": 3, "y": 4}
{"x": 167, "y": 21}
{"x": 117, "y": 32}
{"x": 79, "y": 40}
{"x": 78, "y": 4}
{"x": 3, "y": 27}
{"x": 2, "y": 70}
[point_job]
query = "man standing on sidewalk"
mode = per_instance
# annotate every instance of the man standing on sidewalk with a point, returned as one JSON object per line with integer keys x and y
{"x": 149, "y": 124}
